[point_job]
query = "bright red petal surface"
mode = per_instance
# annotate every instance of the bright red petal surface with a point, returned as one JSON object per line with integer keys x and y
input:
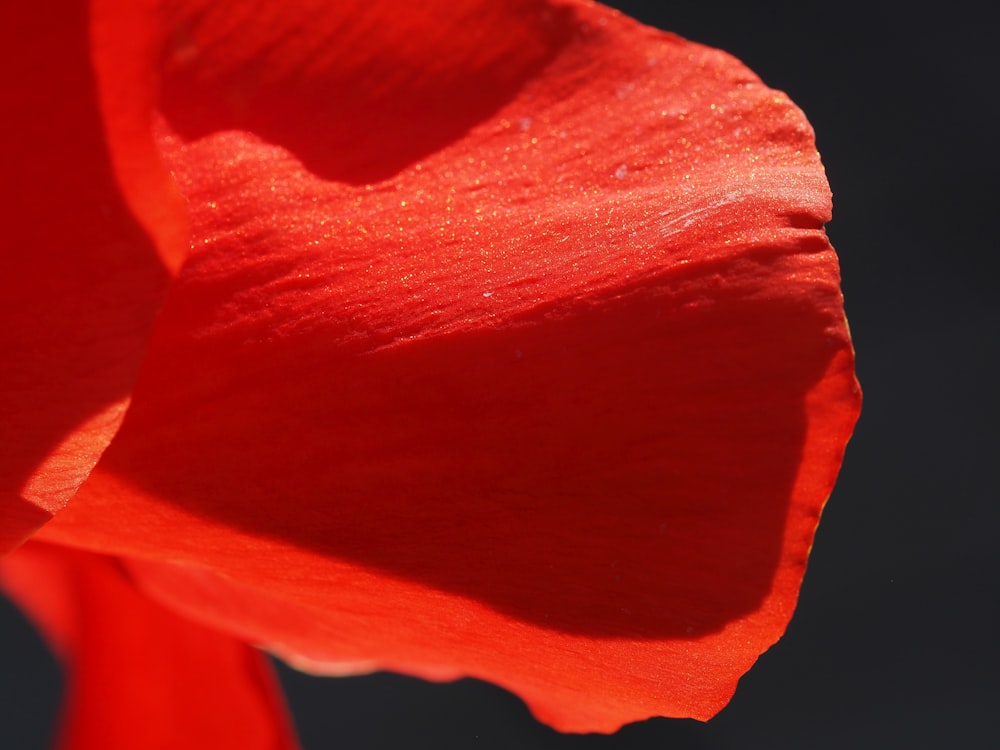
{"x": 140, "y": 676}
{"x": 517, "y": 354}
{"x": 80, "y": 280}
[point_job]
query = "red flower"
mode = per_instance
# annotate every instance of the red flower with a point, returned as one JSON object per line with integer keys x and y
{"x": 507, "y": 342}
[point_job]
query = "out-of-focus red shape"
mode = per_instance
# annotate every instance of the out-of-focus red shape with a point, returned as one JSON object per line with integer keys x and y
{"x": 139, "y": 675}
{"x": 509, "y": 344}
{"x": 80, "y": 280}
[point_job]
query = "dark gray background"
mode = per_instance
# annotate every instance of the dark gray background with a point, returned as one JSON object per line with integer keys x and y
{"x": 894, "y": 642}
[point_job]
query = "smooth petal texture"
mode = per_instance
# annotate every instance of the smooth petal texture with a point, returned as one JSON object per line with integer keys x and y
{"x": 80, "y": 280}
{"x": 139, "y": 675}
{"x": 545, "y": 383}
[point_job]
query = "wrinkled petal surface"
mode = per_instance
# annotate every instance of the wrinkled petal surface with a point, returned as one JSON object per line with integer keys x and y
{"x": 509, "y": 344}
{"x": 141, "y": 676}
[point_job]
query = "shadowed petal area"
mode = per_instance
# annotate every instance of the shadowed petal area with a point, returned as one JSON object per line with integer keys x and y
{"x": 359, "y": 89}
{"x": 556, "y": 403}
{"x": 140, "y": 676}
{"x": 80, "y": 281}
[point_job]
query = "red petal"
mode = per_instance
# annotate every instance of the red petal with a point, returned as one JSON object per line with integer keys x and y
{"x": 140, "y": 676}
{"x": 80, "y": 281}
{"x": 357, "y": 90}
{"x": 556, "y": 405}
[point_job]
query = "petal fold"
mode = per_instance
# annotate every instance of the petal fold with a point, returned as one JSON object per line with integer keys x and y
{"x": 80, "y": 280}
{"x": 551, "y": 396}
